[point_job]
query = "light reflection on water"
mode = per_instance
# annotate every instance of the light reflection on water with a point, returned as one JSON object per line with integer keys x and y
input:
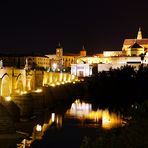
{"x": 83, "y": 111}
{"x": 85, "y": 116}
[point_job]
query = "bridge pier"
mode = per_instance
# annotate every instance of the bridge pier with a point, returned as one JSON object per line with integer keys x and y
{"x": 24, "y": 102}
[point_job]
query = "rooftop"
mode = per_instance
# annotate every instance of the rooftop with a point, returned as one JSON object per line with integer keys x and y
{"x": 136, "y": 45}
{"x": 138, "y": 41}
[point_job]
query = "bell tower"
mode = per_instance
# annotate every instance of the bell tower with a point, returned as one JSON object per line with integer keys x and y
{"x": 139, "y": 35}
{"x": 59, "y": 52}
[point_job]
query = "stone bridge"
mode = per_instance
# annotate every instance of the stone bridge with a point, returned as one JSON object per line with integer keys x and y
{"x": 19, "y": 81}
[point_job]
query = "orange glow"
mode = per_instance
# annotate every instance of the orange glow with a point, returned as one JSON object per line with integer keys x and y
{"x": 82, "y": 111}
{"x": 39, "y": 90}
{"x": 110, "y": 120}
{"x": 8, "y": 98}
{"x": 53, "y": 85}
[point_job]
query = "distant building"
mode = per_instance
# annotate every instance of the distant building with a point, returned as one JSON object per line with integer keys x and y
{"x": 56, "y": 60}
{"x": 69, "y": 59}
{"x": 81, "y": 70}
{"x": 19, "y": 60}
{"x": 52, "y": 59}
{"x": 59, "y": 52}
{"x": 139, "y": 44}
{"x": 134, "y": 52}
{"x": 112, "y": 53}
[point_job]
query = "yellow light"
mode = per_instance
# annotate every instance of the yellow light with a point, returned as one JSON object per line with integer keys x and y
{"x": 17, "y": 91}
{"x": 74, "y": 82}
{"x": 63, "y": 83}
{"x": 54, "y": 66}
{"x": 38, "y": 128}
{"x": 82, "y": 110}
{"x": 53, "y": 117}
{"x": 77, "y": 80}
{"x": 58, "y": 83}
{"x": 110, "y": 120}
{"x": 73, "y": 76}
{"x": 106, "y": 121}
{"x": 8, "y": 98}
{"x": 53, "y": 85}
{"x": 23, "y": 92}
{"x": 38, "y": 90}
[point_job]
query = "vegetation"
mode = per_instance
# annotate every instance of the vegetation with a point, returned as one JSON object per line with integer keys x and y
{"x": 124, "y": 89}
{"x": 118, "y": 87}
{"x": 134, "y": 135}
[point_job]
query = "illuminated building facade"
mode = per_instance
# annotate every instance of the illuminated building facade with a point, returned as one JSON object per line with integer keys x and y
{"x": 56, "y": 60}
{"x": 81, "y": 70}
{"x": 69, "y": 59}
{"x": 112, "y": 53}
{"x": 19, "y": 61}
{"x": 140, "y": 45}
{"x": 40, "y": 61}
{"x": 59, "y": 57}
{"x": 129, "y": 55}
{"x": 59, "y": 60}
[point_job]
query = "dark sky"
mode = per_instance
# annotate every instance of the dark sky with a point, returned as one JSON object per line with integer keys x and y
{"x": 99, "y": 25}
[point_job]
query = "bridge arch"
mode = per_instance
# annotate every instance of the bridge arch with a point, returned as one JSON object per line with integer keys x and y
{"x": 19, "y": 83}
{"x": 5, "y": 86}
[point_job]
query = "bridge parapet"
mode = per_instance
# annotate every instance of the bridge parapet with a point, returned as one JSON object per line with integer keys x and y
{"x": 18, "y": 81}
{"x": 57, "y": 78}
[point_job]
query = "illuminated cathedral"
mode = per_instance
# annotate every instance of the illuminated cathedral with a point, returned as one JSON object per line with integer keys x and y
{"x": 135, "y": 47}
{"x": 131, "y": 54}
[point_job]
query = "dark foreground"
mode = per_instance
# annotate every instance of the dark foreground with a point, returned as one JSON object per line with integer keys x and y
{"x": 69, "y": 136}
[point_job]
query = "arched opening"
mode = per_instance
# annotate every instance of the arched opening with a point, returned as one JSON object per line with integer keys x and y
{"x": 5, "y": 86}
{"x": 19, "y": 83}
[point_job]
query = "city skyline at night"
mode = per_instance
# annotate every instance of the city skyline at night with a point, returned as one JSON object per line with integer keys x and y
{"x": 73, "y": 74}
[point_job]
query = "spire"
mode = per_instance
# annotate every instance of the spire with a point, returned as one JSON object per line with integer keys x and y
{"x": 83, "y": 51}
{"x": 83, "y": 48}
{"x": 139, "y": 35}
{"x": 59, "y": 45}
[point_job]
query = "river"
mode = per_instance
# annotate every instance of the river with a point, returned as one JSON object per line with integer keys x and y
{"x": 67, "y": 128}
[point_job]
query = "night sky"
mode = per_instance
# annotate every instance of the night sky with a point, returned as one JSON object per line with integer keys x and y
{"x": 98, "y": 25}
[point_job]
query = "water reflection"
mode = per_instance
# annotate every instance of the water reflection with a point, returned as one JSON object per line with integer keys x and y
{"x": 85, "y": 116}
{"x": 55, "y": 121}
{"x": 79, "y": 109}
{"x": 83, "y": 111}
